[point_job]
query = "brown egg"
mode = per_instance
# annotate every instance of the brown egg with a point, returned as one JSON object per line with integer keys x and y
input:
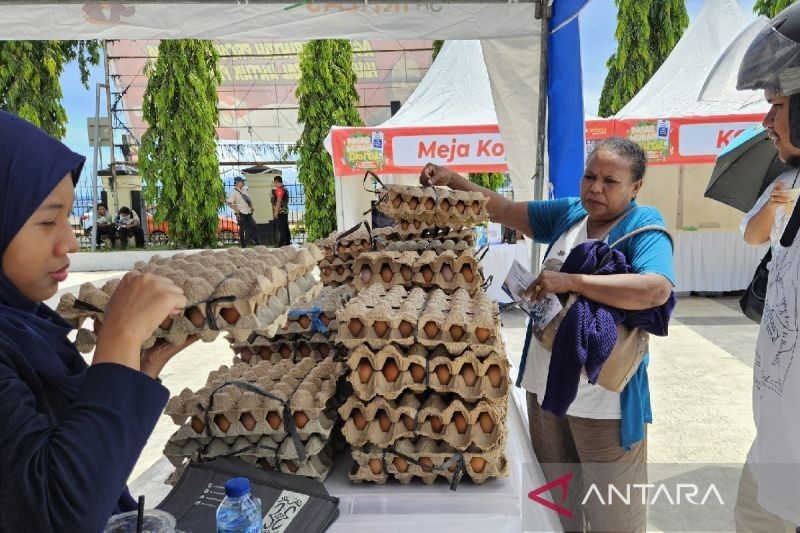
{"x": 324, "y": 349}
{"x": 230, "y": 315}
{"x": 495, "y": 375}
{"x": 285, "y": 351}
{"x": 396, "y": 202}
{"x": 406, "y": 329}
{"x": 265, "y": 353}
{"x": 300, "y": 419}
{"x": 413, "y": 203}
{"x": 417, "y": 224}
{"x": 417, "y": 372}
{"x": 476, "y": 208}
{"x": 469, "y": 375}
{"x": 364, "y": 370}
{"x": 406, "y": 273}
{"x": 477, "y": 464}
{"x": 274, "y": 420}
{"x": 166, "y": 324}
{"x": 431, "y": 330}
{"x": 408, "y": 422}
{"x": 456, "y": 332}
{"x": 375, "y": 465}
{"x": 380, "y": 327}
{"x": 452, "y": 467}
{"x": 340, "y": 269}
{"x": 427, "y": 273}
{"x": 429, "y": 204}
{"x": 460, "y": 422}
{"x": 246, "y": 354}
{"x": 222, "y": 423}
{"x": 390, "y": 370}
{"x": 436, "y": 424}
{"x": 326, "y": 271}
{"x": 325, "y": 319}
{"x": 304, "y": 321}
{"x": 290, "y": 466}
{"x": 400, "y": 464}
{"x": 426, "y": 463}
{"x": 359, "y": 420}
{"x": 486, "y": 422}
{"x": 264, "y": 464}
{"x": 482, "y": 334}
{"x": 248, "y": 421}
{"x": 197, "y": 425}
{"x": 404, "y": 225}
{"x": 196, "y": 317}
{"x": 304, "y": 350}
{"x": 466, "y": 271}
{"x": 386, "y": 273}
{"x": 447, "y": 273}
{"x": 460, "y": 207}
{"x": 365, "y": 275}
{"x": 384, "y": 422}
{"x": 443, "y": 374}
{"x": 355, "y": 326}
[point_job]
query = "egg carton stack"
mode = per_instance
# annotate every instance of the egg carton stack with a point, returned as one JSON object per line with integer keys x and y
{"x": 277, "y": 416}
{"x": 340, "y": 249}
{"x": 430, "y": 380}
{"x": 236, "y": 290}
{"x": 310, "y": 326}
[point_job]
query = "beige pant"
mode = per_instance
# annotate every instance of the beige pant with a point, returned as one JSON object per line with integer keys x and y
{"x": 590, "y": 449}
{"x": 750, "y": 516}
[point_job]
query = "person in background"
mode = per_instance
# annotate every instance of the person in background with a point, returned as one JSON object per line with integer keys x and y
{"x": 603, "y": 433}
{"x": 71, "y": 432}
{"x": 128, "y": 224}
{"x": 280, "y": 211}
{"x": 104, "y": 226}
{"x": 242, "y": 206}
{"x": 769, "y": 488}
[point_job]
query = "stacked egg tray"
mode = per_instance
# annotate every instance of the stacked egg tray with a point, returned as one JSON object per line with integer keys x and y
{"x": 457, "y": 241}
{"x": 237, "y": 290}
{"x": 277, "y": 416}
{"x": 307, "y": 333}
{"x": 432, "y": 206}
{"x": 430, "y": 385}
{"x": 340, "y": 249}
{"x": 446, "y": 270}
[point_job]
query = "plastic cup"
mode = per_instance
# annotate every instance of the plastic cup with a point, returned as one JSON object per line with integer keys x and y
{"x": 794, "y": 194}
{"x": 155, "y": 521}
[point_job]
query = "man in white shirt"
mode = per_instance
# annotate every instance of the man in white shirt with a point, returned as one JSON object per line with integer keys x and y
{"x": 769, "y": 490}
{"x": 242, "y": 205}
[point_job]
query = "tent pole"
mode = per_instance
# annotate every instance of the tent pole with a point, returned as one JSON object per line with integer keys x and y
{"x": 112, "y": 158}
{"x": 543, "y": 12}
{"x": 96, "y": 143}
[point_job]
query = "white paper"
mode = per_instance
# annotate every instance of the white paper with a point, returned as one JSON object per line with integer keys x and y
{"x": 542, "y": 312}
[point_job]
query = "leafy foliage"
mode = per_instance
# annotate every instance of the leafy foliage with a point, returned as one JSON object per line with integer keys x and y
{"x": 647, "y": 31}
{"x": 178, "y": 158}
{"x": 327, "y": 96}
{"x": 488, "y": 180}
{"x": 770, "y": 8}
{"x": 29, "y": 79}
{"x": 437, "y": 47}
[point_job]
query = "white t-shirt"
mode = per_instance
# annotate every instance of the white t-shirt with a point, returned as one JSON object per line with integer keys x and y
{"x": 789, "y": 180}
{"x": 775, "y": 455}
{"x": 592, "y": 401}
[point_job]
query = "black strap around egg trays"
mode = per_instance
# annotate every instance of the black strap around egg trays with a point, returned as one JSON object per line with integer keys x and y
{"x": 457, "y": 459}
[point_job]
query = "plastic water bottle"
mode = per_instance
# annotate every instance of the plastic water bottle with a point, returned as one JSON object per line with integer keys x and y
{"x": 239, "y": 512}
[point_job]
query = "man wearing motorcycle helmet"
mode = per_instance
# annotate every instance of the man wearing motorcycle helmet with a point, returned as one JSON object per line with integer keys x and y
{"x": 769, "y": 490}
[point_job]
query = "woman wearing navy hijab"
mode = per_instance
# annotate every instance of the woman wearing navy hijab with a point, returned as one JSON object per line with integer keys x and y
{"x": 70, "y": 433}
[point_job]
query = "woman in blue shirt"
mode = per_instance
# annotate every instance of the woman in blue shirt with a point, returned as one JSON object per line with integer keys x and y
{"x": 71, "y": 433}
{"x": 603, "y": 434}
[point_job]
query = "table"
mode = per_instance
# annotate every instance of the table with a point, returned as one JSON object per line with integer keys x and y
{"x": 498, "y": 260}
{"x": 714, "y": 260}
{"x": 497, "y": 506}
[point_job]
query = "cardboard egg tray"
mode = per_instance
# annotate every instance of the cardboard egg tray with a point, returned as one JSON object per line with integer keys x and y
{"x": 276, "y": 349}
{"x": 447, "y": 270}
{"x": 460, "y": 424}
{"x": 435, "y": 205}
{"x": 307, "y": 388}
{"x": 311, "y": 316}
{"x": 350, "y": 246}
{"x": 391, "y": 372}
{"x": 377, "y": 317}
{"x": 336, "y": 271}
{"x": 456, "y": 241}
{"x": 429, "y": 460}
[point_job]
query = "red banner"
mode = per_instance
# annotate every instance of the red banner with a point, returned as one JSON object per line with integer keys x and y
{"x": 670, "y": 141}
{"x": 407, "y": 150}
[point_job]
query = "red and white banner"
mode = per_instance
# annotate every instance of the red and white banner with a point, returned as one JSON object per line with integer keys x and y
{"x": 407, "y": 150}
{"x": 670, "y": 141}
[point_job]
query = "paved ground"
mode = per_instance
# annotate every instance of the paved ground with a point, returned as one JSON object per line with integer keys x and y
{"x": 700, "y": 377}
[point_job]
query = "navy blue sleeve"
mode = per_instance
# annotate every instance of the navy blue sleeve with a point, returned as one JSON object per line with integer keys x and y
{"x": 69, "y": 477}
{"x": 543, "y": 217}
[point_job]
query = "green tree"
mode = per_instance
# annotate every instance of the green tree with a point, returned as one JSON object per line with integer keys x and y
{"x": 29, "y": 79}
{"x": 770, "y": 8}
{"x": 489, "y": 180}
{"x": 437, "y": 47}
{"x": 647, "y": 31}
{"x": 178, "y": 157}
{"x": 326, "y": 96}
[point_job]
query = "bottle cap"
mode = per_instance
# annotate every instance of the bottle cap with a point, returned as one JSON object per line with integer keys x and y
{"x": 238, "y": 486}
